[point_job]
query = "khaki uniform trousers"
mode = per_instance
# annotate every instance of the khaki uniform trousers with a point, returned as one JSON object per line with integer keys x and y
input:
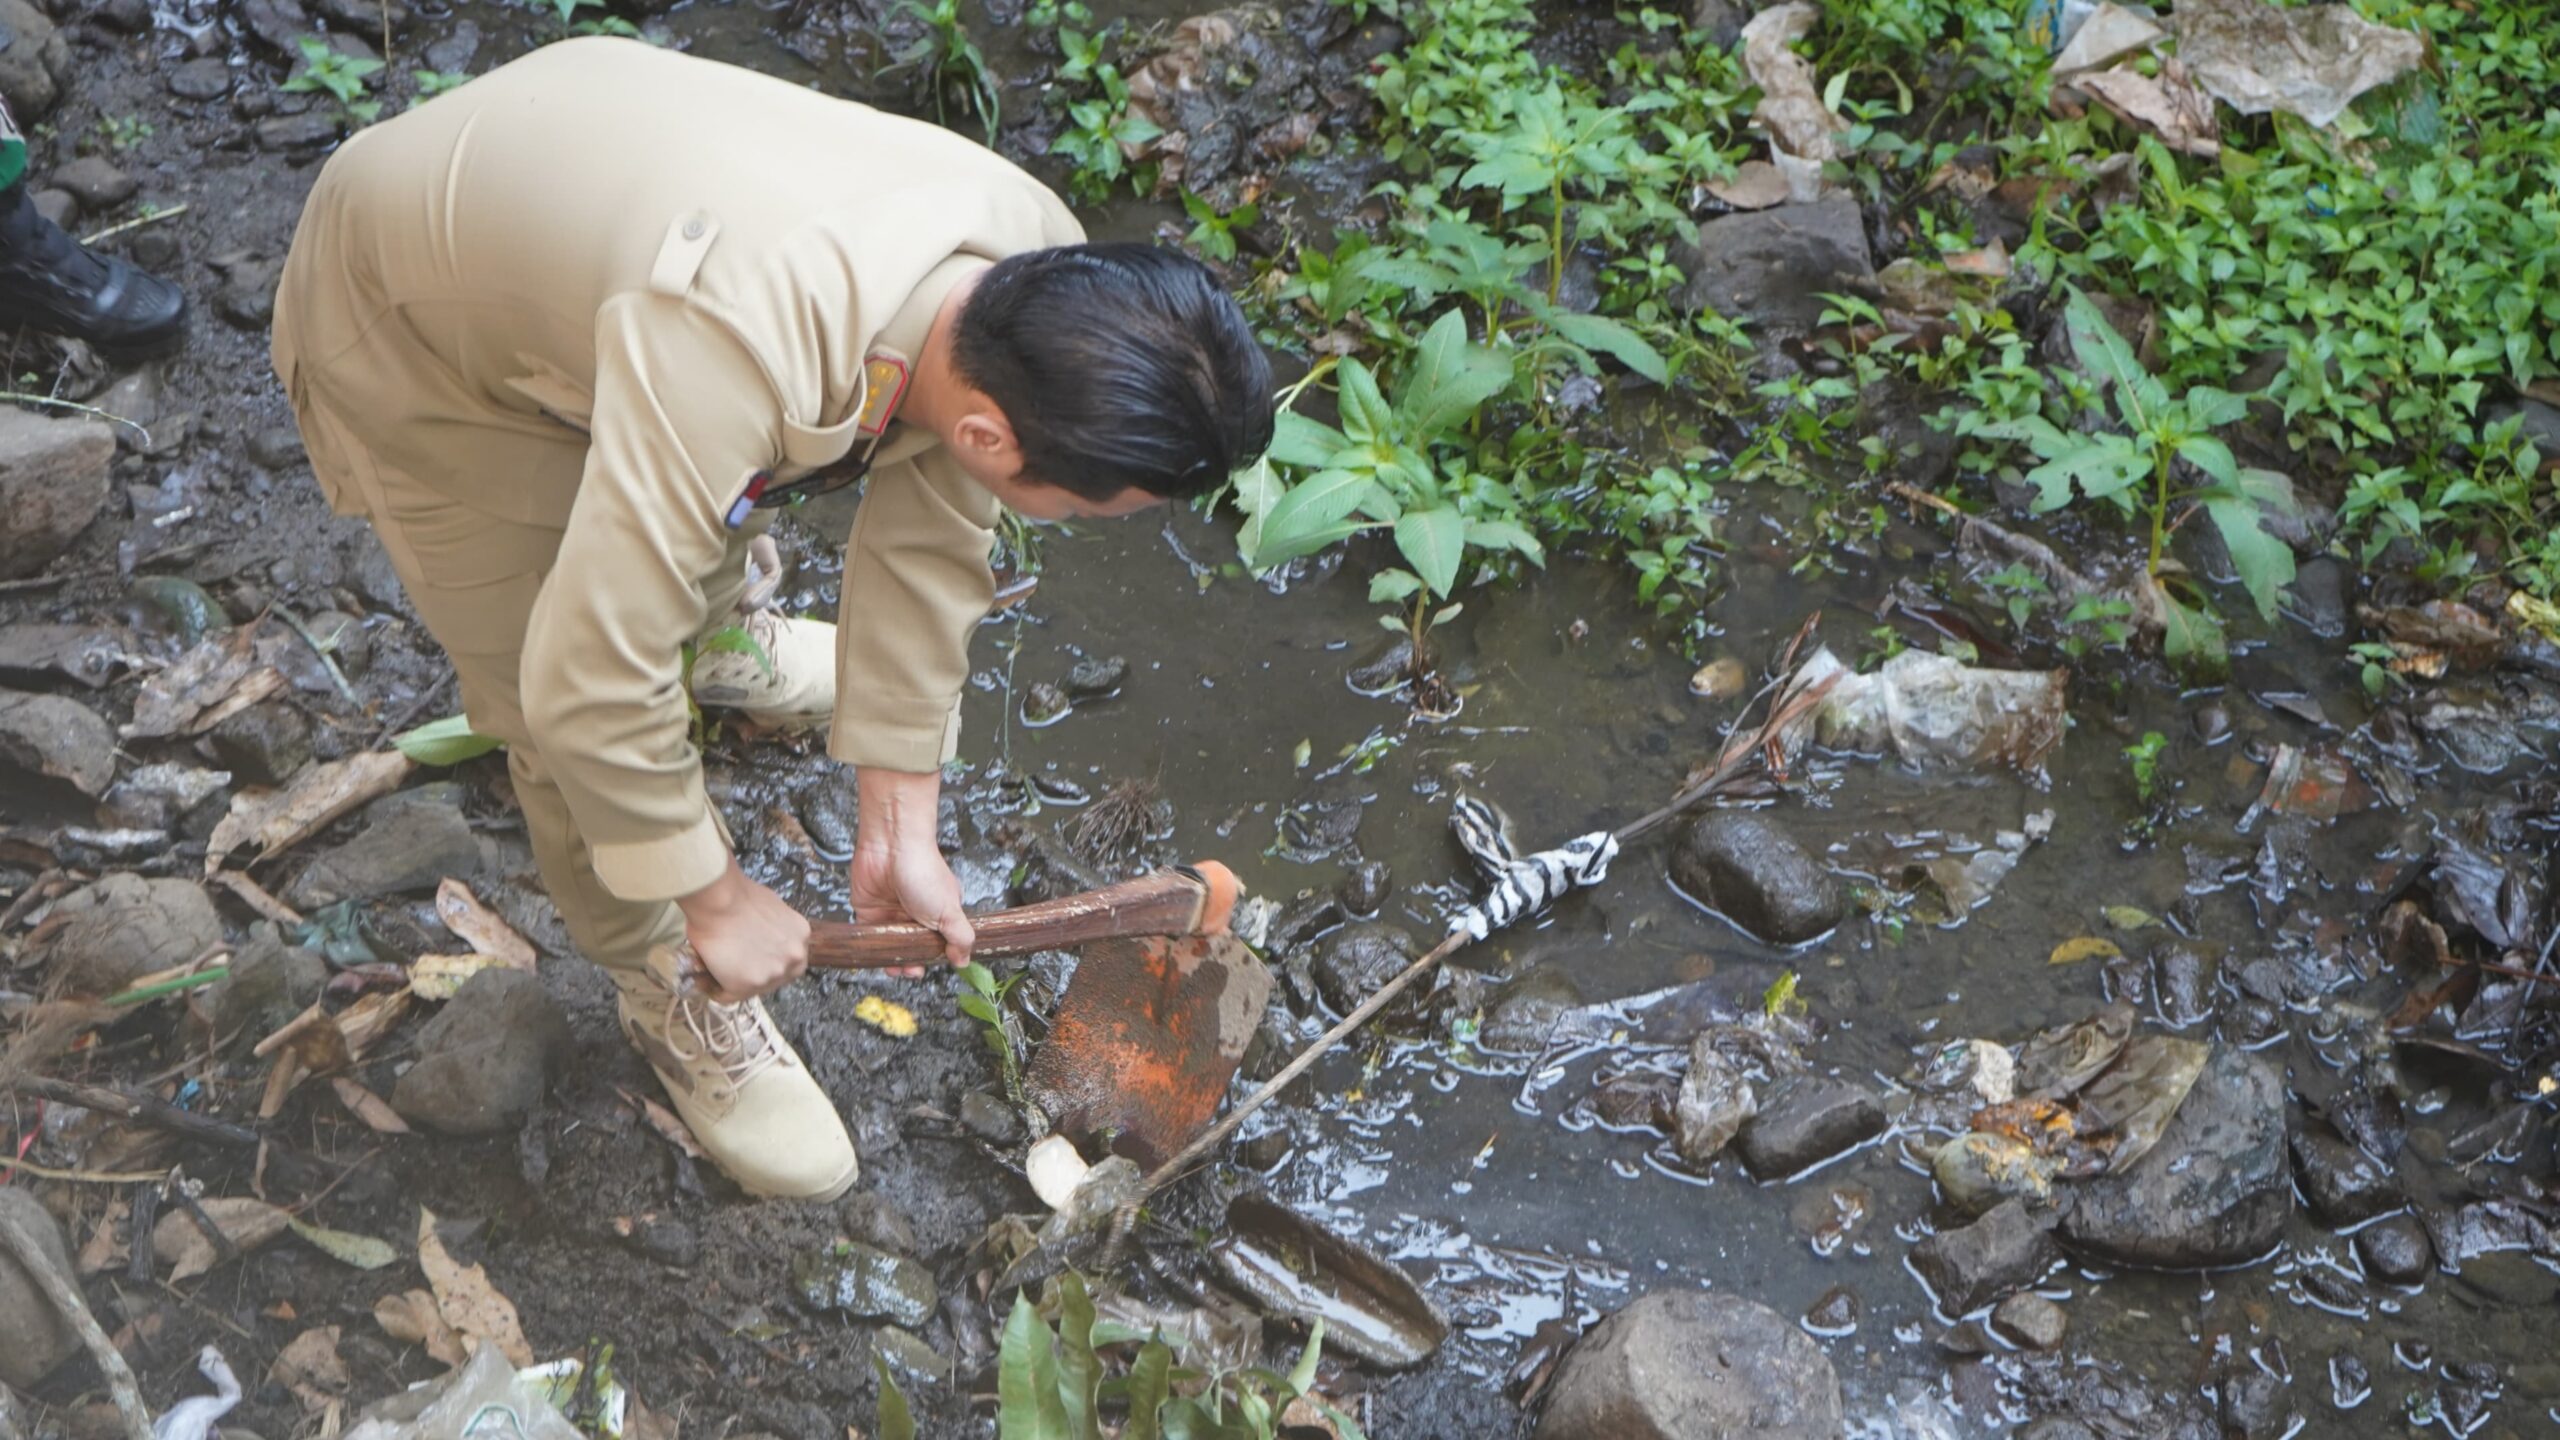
{"x": 473, "y": 578}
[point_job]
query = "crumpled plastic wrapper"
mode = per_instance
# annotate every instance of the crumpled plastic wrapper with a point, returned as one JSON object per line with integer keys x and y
{"x": 2312, "y": 62}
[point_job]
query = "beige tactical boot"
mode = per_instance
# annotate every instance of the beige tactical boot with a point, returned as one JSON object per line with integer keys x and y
{"x": 737, "y": 1084}
{"x": 788, "y": 680}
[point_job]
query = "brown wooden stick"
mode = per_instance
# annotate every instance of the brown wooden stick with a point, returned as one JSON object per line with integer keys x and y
{"x": 66, "y": 1297}
{"x": 146, "y": 1110}
{"x": 1167, "y": 902}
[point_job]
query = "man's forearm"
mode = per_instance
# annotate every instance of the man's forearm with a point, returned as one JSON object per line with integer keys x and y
{"x": 897, "y": 808}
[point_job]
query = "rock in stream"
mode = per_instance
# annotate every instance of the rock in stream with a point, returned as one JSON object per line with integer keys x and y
{"x": 2215, "y": 1190}
{"x": 1694, "y": 1366}
{"x": 1743, "y": 866}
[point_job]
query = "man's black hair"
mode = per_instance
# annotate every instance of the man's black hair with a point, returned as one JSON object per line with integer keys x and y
{"x": 1117, "y": 365}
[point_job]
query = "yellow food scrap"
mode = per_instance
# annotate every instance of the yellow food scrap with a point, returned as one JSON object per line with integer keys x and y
{"x": 891, "y": 1017}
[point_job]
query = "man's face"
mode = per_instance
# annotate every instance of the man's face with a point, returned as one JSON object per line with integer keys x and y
{"x": 1034, "y": 501}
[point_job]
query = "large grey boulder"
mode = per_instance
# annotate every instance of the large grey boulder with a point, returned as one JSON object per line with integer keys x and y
{"x": 53, "y": 473}
{"x": 1746, "y": 867}
{"x": 1771, "y": 268}
{"x": 1694, "y": 1366}
{"x": 2216, "y": 1190}
{"x": 484, "y": 1063}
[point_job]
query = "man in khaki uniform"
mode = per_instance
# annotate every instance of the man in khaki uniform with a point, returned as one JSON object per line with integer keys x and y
{"x": 563, "y": 336}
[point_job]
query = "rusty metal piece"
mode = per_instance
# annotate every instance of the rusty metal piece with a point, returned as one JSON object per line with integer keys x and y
{"x": 1147, "y": 1038}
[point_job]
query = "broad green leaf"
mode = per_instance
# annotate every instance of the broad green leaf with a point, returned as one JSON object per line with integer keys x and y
{"x": 1280, "y": 551}
{"x": 448, "y": 741}
{"x": 1304, "y": 443}
{"x": 1079, "y": 1370}
{"x": 893, "y": 1421}
{"x": 2212, "y": 457}
{"x": 2105, "y": 355}
{"x": 1150, "y": 1381}
{"x": 2273, "y": 490}
{"x": 2265, "y": 563}
{"x": 1451, "y": 377}
{"x": 1365, "y": 417}
{"x": 1433, "y": 542}
{"x": 735, "y": 640}
{"x": 2192, "y": 640}
{"x": 1513, "y": 172}
{"x": 1027, "y": 1405}
{"x": 1610, "y": 338}
{"x": 2106, "y": 466}
{"x": 1320, "y": 500}
{"x": 2211, "y": 409}
{"x": 1503, "y": 535}
{"x": 1423, "y": 279}
{"x": 1389, "y": 587}
{"x": 362, "y": 1251}
{"x": 1302, "y": 1376}
{"x": 2046, "y": 438}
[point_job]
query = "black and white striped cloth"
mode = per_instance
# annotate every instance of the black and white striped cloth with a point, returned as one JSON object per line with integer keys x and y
{"x": 1521, "y": 884}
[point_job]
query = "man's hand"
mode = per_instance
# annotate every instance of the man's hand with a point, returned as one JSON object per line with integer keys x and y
{"x": 750, "y": 941}
{"x": 898, "y": 870}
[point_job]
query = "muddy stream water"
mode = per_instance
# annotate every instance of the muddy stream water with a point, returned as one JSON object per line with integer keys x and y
{"x": 1485, "y": 1173}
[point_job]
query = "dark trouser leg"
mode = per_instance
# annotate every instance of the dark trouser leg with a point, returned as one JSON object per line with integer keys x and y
{"x": 54, "y": 283}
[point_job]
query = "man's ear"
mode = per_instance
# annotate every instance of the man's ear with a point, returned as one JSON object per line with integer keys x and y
{"x": 986, "y": 436}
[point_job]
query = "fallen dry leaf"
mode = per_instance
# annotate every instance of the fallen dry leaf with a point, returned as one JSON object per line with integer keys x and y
{"x": 368, "y": 1107}
{"x": 277, "y": 820}
{"x": 311, "y": 1369}
{"x": 412, "y": 1317}
{"x": 106, "y": 1248}
{"x": 1756, "y": 185}
{"x": 370, "y": 1018}
{"x": 182, "y": 1244}
{"x": 2084, "y": 947}
{"x": 470, "y": 1304}
{"x": 664, "y": 1121}
{"x": 888, "y": 1016}
{"x": 1991, "y": 262}
{"x": 481, "y": 927}
{"x": 441, "y": 977}
{"x": 2170, "y": 106}
{"x": 2110, "y": 32}
{"x": 177, "y": 700}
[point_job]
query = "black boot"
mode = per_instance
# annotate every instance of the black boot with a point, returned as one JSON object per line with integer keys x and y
{"x": 53, "y": 283}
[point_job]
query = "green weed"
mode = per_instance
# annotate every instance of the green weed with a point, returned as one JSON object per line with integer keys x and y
{"x": 1053, "y": 1382}
{"x": 343, "y": 78}
{"x": 982, "y": 998}
{"x": 952, "y": 64}
{"x": 123, "y": 132}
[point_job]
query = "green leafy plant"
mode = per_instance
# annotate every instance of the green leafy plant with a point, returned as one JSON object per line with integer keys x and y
{"x": 1552, "y": 148}
{"x": 123, "y": 132}
{"x": 982, "y": 998}
{"x": 432, "y": 83}
{"x": 1214, "y": 234}
{"x": 2137, "y": 469}
{"x": 1395, "y": 464}
{"x": 952, "y": 64}
{"x": 1053, "y": 1382}
{"x": 343, "y": 78}
{"x": 2143, "y": 756}
{"x": 1099, "y": 135}
{"x": 565, "y": 12}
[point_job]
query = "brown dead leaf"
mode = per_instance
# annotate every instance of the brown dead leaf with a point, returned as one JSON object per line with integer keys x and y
{"x": 439, "y": 978}
{"x": 277, "y": 820}
{"x": 1756, "y": 185}
{"x": 1991, "y": 262}
{"x": 368, "y": 1107}
{"x": 639, "y": 1422}
{"x": 1800, "y": 127}
{"x": 664, "y": 1121}
{"x": 106, "y": 1248}
{"x": 2169, "y": 106}
{"x": 470, "y": 1304}
{"x": 311, "y": 1369}
{"x": 481, "y": 927}
{"x": 370, "y": 1018}
{"x": 182, "y": 1244}
{"x": 413, "y": 1318}
{"x": 171, "y": 701}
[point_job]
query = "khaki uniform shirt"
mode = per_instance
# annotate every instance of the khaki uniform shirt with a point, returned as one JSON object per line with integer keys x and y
{"x": 599, "y": 289}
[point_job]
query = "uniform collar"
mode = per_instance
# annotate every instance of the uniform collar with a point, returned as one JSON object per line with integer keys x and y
{"x": 905, "y": 335}
{"x": 901, "y": 340}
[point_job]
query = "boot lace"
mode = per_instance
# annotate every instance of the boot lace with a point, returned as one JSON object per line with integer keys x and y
{"x": 740, "y": 1039}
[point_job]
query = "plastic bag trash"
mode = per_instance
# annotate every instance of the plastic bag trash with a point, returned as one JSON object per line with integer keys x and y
{"x": 484, "y": 1400}
{"x": 2109, "y": 32}
{"x": 2312, "y": 62}
{"x": 1939, "y": 716}
{"x": 1799, "y": 125}
{"x": 193, "y": 1418}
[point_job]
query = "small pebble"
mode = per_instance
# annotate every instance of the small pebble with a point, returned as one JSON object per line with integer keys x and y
{"x": 1094, "y": 679}
{"x": 1835, "y": 1314}
{"x": 2029, "y": 1320}
{"x": 1719, "y": 679}
{"x": 1044, "y": 704}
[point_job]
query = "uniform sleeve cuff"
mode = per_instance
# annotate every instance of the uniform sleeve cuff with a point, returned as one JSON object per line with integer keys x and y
{"x": 666, "y": 868}
{"x": 903, "y": 738}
